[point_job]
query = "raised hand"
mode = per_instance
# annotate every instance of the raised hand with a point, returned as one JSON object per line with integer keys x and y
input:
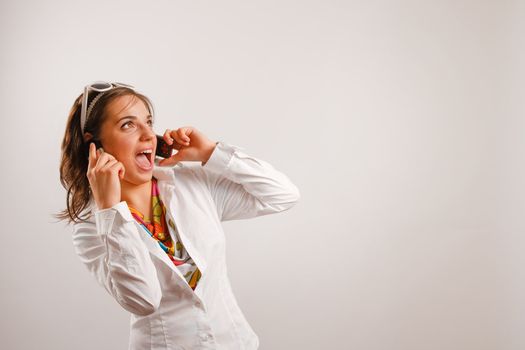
{"x": 104, "y": 174}
{"x": 192, "y": 145}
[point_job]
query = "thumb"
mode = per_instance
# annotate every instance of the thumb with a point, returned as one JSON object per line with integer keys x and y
{"x": 174, "y": 159}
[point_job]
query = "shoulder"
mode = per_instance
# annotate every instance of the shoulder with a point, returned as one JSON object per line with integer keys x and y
{"x": 177, "y": 172}
{"x": 184, "y": 176}
{"x": 88, "y": 213}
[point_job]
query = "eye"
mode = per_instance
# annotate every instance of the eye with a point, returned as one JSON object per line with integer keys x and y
{"x": 126, "y": 123}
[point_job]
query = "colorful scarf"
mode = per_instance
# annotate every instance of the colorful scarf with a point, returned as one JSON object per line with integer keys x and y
{"x": 158, "y": 229}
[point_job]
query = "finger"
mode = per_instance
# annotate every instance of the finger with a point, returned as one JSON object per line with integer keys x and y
{"x": 180, "y": 137}
{"x": 177, "y": 146}
{"x": 122, "y": 170}
{"x": 174, "y": 159}
{"x": 103, "y": 159}
{"x": 102, "y": 152}
{"x": 167, "y": 136}
{"x": 99, "y": 152}
{"x": 183, "y": 134}
{"x": 174, "y": 137}
{"x": 108, "y": 165}
{"x": 92, "y": 155}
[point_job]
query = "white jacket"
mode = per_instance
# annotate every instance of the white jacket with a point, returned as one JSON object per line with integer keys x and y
{"x": 165, "y": 312}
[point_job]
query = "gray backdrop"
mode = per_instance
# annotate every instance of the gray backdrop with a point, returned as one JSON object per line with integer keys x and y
{"x": 401, "y": 122}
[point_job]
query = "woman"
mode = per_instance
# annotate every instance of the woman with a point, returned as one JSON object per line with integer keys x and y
{"x": 150, "y": 231}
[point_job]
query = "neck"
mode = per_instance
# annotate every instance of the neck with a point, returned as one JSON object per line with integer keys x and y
{"x": 137, "y": 196}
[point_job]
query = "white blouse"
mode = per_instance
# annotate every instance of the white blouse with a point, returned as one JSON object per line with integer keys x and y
{"x": 165, "y": 312}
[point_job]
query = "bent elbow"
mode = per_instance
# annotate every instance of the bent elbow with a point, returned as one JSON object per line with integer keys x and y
{"x": 146, "y": 311}
{"x": 140, "y": 306}
{"x": 291, "y": 198}
{"x": 294, "y": 196}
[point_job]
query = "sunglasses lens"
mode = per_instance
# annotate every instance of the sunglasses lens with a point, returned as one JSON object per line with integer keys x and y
{"x": 100, "y": 86}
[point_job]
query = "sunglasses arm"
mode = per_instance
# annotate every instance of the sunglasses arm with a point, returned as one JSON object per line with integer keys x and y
{"x": 84, "y": 110}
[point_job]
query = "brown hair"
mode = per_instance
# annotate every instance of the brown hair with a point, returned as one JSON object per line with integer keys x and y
{"x": 74, "y": 158}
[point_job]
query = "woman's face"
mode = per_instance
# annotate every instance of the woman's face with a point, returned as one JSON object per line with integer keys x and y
{"x": 126, "y": 133}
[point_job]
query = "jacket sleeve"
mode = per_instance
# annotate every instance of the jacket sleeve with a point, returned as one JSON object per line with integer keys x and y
{"x": 244, "y": 187}
{"x": 115, "y": 255}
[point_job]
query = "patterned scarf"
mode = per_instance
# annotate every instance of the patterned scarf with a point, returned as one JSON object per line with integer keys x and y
{"x": 158, "y": 229}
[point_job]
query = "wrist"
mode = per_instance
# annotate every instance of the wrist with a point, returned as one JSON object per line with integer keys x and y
{"x": 207, "y": 153}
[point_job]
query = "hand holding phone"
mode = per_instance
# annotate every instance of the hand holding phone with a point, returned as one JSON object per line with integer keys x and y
{"x": 191, "y": 144}
{"x": 104, "y": 174}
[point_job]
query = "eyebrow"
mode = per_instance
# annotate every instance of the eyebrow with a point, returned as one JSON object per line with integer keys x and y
{"x": 133, "y": 117}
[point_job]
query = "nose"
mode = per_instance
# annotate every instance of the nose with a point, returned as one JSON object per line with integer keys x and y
{"x": 147, "y": 133}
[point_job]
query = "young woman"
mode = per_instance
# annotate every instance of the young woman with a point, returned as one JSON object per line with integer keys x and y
{"x": 150, "y": 230}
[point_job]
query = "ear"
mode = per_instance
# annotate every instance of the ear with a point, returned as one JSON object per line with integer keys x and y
{"x": 87, "y": 136}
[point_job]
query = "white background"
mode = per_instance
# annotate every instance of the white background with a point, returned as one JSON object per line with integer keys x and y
{"x": 401, "y": 122}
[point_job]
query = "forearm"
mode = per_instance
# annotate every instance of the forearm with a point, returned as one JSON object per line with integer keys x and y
{"x": 244, "y": 186}
{"x": 114, "y": 253}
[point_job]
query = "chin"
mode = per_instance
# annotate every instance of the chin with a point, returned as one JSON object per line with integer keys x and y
{"x": 138, "y": 178}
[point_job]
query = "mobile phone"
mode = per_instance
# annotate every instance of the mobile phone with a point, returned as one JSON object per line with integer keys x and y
{"x": 163, "y": 149}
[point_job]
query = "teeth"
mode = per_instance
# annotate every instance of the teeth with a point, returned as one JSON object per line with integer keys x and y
{"x": 147, "y": 151}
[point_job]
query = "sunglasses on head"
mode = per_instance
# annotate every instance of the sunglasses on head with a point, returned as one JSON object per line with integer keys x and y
{"x": 98, "y": 86}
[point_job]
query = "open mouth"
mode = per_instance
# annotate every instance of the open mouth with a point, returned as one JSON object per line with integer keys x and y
{"x": 144, "y": 159}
